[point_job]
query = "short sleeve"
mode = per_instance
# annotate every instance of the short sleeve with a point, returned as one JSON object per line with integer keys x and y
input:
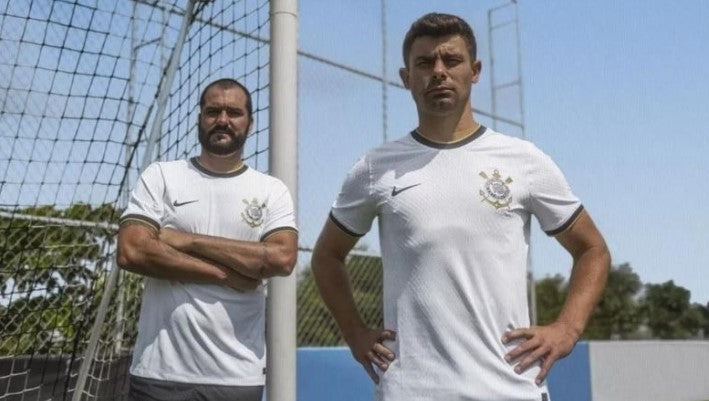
{"x": 146, "y": 200}
{"x": 355, "y": 207}
{"x": 281, "y": 214}
{"x": 551, "y": 199}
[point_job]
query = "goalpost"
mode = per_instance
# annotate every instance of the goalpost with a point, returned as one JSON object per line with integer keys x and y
{"x": 90, "y": 93}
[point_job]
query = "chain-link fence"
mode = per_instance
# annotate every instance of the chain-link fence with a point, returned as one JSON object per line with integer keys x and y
{"x": 316, "y": 327}
{"x": 81, "y": 84}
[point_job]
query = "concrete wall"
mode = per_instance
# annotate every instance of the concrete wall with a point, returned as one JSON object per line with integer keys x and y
{"x": 649, "y": 370}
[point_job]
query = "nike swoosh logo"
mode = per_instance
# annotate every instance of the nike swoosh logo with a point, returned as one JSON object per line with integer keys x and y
{"x": 395, "y": 191}
{"x": 176, "y": 203}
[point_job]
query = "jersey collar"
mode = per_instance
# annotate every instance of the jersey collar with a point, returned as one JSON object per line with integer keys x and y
{"x": 234, "y": 173}
{"x": 449, "y": 145}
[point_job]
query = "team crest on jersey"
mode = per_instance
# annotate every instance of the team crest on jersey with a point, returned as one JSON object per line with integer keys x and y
{"x": 253, "y": 212}
{"x": 496, "y": 191}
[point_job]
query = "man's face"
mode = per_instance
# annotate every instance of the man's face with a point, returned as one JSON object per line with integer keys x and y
{"x": 224, "y": 121}
{"x": 440, "y": 74}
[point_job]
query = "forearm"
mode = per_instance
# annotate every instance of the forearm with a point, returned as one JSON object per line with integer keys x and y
{"x": 250, "y": 258}
{"x": 333, "y": 283}
{"x": 586, "y": 285}
{"x": 159, "y": 260}
{"x": 141, "y": 251}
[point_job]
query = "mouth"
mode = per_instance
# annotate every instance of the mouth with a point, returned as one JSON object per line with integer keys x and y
{"x": 439, "y": 90}
{"x": 221, "y": 132}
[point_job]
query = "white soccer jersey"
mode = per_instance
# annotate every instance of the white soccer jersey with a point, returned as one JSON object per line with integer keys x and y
{"x": 454, "y": 232}
{"x": 200, "y": 333}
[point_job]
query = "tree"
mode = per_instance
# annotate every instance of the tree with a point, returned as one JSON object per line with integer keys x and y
{"x": 702, "y": 315}
{"x": 668, "y": 313}
{"x": 617, "y": 313}
{"x": 550, "y": 293}
{"x": 49, "y": 275}
{"x": 704, "y": 309}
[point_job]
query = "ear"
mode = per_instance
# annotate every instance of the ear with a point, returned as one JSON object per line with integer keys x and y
{"x": 477, "y": 67}
{"x": 404, "y": 74}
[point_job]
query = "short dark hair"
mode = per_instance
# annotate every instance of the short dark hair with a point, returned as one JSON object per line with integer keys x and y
{"x": 226, "y": 83}
{"x": 437, "y": 25}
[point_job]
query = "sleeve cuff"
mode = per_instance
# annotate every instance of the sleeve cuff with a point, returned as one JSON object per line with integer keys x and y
{"x": 343, "y": 228}
{"x": 567, "y": 223}
{"x": 278, "y": 229}
{"x": 140, "y": 218}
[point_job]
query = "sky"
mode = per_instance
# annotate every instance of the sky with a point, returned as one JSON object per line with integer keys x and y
{"x": 614, "y": 92}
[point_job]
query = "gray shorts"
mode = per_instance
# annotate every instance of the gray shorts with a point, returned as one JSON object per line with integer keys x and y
{"x": 144, "y": 389}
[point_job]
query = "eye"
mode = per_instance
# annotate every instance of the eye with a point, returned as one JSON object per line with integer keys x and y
{"x": 424, "y": 62}
{"x": 233, "y": 113}
{"x": 452, "y": 61}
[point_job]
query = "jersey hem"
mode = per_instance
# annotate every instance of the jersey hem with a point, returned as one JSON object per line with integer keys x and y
{"x": 224, "y": 381}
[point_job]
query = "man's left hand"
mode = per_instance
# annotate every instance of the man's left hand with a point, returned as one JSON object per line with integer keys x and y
{"x": 545, "y": 344}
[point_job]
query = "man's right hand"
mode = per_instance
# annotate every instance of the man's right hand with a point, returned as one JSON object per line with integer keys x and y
{"x": 367, "y": 348}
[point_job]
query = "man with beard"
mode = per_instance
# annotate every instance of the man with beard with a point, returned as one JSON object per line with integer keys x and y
{"x": 205, "y": 232}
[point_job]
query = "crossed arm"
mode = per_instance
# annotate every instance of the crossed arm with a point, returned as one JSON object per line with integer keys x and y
{"x": 591, "y": 262}
{"x": 175, "y": 255}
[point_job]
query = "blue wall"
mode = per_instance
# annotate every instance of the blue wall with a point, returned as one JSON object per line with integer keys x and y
{"x": 570, "y": 378}
{"x": 326, "y": 374}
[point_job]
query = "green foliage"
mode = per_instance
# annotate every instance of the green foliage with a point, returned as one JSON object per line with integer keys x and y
{"x": 620, "y": 314}
{"x": 49, "y": 274}
{"x": 617, "y": 313}
{"x": 668, "y": 312}
{"x": 550, "y": 292}
{"x": 315, "y": 325}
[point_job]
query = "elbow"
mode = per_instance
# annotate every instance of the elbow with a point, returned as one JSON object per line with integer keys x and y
{"x": 285, "y": 263}
{"x": 127, "y": 258}
{"x": 122, "y": 258}
{"x": 321, "y": 259}
{"x": 604, "y": 255}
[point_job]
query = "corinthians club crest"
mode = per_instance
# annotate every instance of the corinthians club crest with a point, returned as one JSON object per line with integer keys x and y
{"x": 253, "y": 212}
{"x": 495, "y": 191}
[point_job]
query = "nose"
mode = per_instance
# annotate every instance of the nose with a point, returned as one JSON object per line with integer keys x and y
{"x": 222, "y": 118}
{"x": 439, "y": 69}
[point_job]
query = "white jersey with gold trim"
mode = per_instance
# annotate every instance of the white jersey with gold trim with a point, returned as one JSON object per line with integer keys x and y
{"x": 454, "y": 233}
{"x": 199, "y": 333}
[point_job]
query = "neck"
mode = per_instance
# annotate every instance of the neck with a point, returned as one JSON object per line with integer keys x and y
{"x": 447, "y": 128}
{"x": 220, "y": 163}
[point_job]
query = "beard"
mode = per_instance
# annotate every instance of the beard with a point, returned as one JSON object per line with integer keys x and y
{"x": 214, "y": 146}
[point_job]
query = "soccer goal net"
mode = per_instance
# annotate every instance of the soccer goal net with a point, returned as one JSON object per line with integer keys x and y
{"x": 90, "y": 92}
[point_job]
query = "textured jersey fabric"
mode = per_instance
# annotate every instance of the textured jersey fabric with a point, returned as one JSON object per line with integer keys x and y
{"x": 454, "y": 234}
{"x": 200, "y": 333}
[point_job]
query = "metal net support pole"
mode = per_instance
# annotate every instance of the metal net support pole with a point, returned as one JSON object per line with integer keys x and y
{"x": 283, "y": 164}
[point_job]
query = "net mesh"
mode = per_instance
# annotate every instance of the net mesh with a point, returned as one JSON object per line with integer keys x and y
{"x": 79, "y": 82}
